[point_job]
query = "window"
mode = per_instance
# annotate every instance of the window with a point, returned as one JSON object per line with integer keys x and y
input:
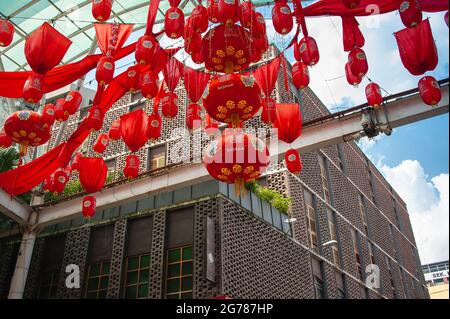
{"x": 324, "y": 178}
{"x": 179, "y": 273}
{"x": 371, "y": 254}
{"x": 138, "y": 106}
{"x": 97, "y": 280}
{"x": 363, "y": 291}
{"x": 340, "y": 285}
{"x": 319, "y": 289}
{"x": 341, "y": 158}
{"x": 332, "y": 228}
{"x": 362, "y": 213}
{"x": 397, "y": 218}
{"x": 372, "y": 188}
{"x": 157, "y": 157}
{"x": 111, "y": 165}
{"x": 48, "y": 284}
{"x": 391, "y": 279}
{"x": 311, "y": 221}
{"x": 356, "y": 253}
{"x": 137, "y": 270}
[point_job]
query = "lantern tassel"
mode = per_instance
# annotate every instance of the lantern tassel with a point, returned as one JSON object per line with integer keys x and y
{"x": 239, "y": 187}
{"x": 23, "y": 149}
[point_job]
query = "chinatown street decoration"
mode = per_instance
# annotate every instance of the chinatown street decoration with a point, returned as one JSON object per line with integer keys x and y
{"x": 5, "y": 140}
{"x": 352, "y": 35}
{"x": 247, "y": 14}
{"x": 146, "y": 49}
{"x": 47, "y": 186}
{"x": 94, "y": 120}
{"x": 101, "y": 144}
{"x": 76, "y": 161}
{"x": 195, "y": 83}
{"x": 212, "y": 9}
{"x": 148, "y": 83}
{"x": 89, "y": 206}
{"x": 92, "y": 173}
{"x": 114, "y": 131}
{"x": 60, "y": 179}
{"x": 26, "y": 129}
{"x": 282, "y": 17}
{"x": 48, "y": 115}
{"x": 308, "y": 51}
{"x": 373, "y": 95}
{"x": 232, "y": 98}
{"x": 410, "y": 12}
{"x": 61, "y": 115}
{"x": 351, "y": 78}
{"x": 193, "y": 116}
{"x": 236, "y": 157}
{"x": 131, "y": 169}
{"x": 351, "y": 4}
{"x": 44, "y": 49}
{"x": 300, "y": 75}
{"x": 133, "y": 129}
{"x": 154, "y": 127}
{"x": 211, "y": 125}
{"x": 169, "y": 106}
{"x": 133, "y": 79}
{"x": 199, "y": 18}
{"x": 72, "y": 102}
{"x": 101, "y": 9}
{"x": 6, "y": 33}
{"x": 228, "y": 11}
{"x": 174, "y": 20}
{"x": 357, "y": 62}
{"x": 429, "y": 90}
{"x": 293, "y": 161}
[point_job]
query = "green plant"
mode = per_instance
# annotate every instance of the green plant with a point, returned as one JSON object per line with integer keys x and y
{"x": 9, "y": 157}
{"x": 282, "y": 204}
{"x": 72, "y": 187}
{"x": 269, "y": 195}
{"x": 25, "y": 197}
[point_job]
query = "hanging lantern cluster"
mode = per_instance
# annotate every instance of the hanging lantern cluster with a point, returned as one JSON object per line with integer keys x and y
{"x": 92, "y": 174}
{"x": 6, "y": 33}
{"x": 174, "y": 20}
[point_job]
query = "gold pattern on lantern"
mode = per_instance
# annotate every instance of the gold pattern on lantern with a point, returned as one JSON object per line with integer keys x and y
{"x": 225, "y": 171}
{"x": 222, "y": 109}
{"x": 16, "y": 139}
{"x": 249, "y": 169}
{"x": 216, "y": 60}
{"x": 221, "y": 116}
{"x": 248, "y": 109}
{"x": 245, "y": 116}
{"x": 37, "y": 139}
{"x": 222, "y": 177}
{"x": 231, "y": 105}
{"x": 239, "y": 54}
{"x": 230, "y": 50}
{"x": 255, "y": 174}
{"x": 219, "y": 67}
{"x": 242, "y": 104}
{"x": 15, "y": 134}
{"x": 23, "y": 133}
{"x": 237, "y": 169}
{"x": 237, "y": 67}
{"x": 241, "y": 61}
{"x": 32, "y": 135}
{"x": 220, "y": 53}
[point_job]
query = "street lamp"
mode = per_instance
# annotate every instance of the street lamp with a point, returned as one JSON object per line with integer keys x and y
{"x": 331, "y": 242}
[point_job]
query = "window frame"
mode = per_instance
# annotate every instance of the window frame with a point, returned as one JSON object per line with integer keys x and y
{"x": 138, "y": 283}
{"x": 181, "y": 275}
{"x": 100, "y": 276}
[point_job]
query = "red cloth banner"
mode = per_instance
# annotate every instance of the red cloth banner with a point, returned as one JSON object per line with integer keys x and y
{"x": 267, "y": 75}
{"x": 195, "y": 83}
{"x": 106, "y": 36}
{"x": 172, "y": 73}
{"x": 352, "y": 35}
{"x": 152, "y": 12}
{"x": 417, "y": 49}
{"x": 288, "y": 122}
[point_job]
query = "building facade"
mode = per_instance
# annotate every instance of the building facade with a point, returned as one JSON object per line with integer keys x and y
{"x": 203, "y": 241}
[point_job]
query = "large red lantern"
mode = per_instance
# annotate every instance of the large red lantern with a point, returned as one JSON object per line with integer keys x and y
{"x": 193, "y": 118}
{"x": 289, "y": 122}
{"x": 351, "y": 78}
{"x": 101, "y": 9}
{"x": 236, "y": 157}
{"x": 105, "y": 71}
{"x": 259, "y": 25}
{"x": 226, "y": 49}
{"x": 154, "y": 127}
{"x": 199, "y": 18}
{"x": 47, "y": 186}
{"x": 258, "y": 47}
{"x": 232, "y": 98}
{"x": 34, "y": 88}
{"x": 145, "y": 49}
{"x": 309, "y": 52}
{"x": 293, "y": 161}
{"x": 351, "y": 4}
{"x": 300, "y": 75}
{"x": 60, "y": 179}
{"x": 212, "y": 8}
{"x": 48, "y": 115}
{"x": 114, "y": 130}
{"x": 247, "y": 14}
{"x": 131, "y": 169}
{"x": 429, "y": 90}
{"x": 228, "y": 11}
{"x": 94, "y": 120}
{"x": 174, "y": 23}
{"x": 169, "y": 106}
{"x": 133, "y": 128}
{"x": 410, "y": 13}
{"x": 101, "y": 144}
{"x": 60, "y": 114}
{"x": 357, "y": 62}
{"x": 192, "y": 40}
{"x": 149, "y": 84}
{"x": 197, "y": 57}
{"x": 282, "y": 17}
{"x": 5, "y": 140}
{"x": 26, "y": 128}
{"x": 133, "y": 77}
{"x": 89, "y": 206}
{"x": 269, "y": 110}
{"x": 6, "y": 33}
{"x": 373, "y": 95}
{"x": 73, "y": 102}
{"x": 93, "y": 172}
{"x": 76, "y": 161}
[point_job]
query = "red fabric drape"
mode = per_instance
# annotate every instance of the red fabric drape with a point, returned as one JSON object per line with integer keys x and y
{"x": 352, "y": 35}
{"x": 45, "y": 48}
{"x": 158, "y": 97}
{"x": 133, "y": 128}
{"x": 172, "y": 73}
{"x": 267, "y": 75}
{"x": 417, "y": 49}
{"x": 152, "y": 12}
{"x": 195, "y": 83}
{"x": 288, "y": 122}
{"x": 11, "y": 83}
{"x": 105, "y": 39}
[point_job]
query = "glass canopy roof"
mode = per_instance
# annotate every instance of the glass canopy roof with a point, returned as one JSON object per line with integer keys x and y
{"x": 73, "y": 18}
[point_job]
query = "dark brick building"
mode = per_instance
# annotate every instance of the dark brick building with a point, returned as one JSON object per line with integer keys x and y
{"x": 201, "y": 241}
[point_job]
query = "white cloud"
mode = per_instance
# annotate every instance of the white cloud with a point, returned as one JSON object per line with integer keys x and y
{"x": 428, "y": 206}
{"x": 366, "y": 143}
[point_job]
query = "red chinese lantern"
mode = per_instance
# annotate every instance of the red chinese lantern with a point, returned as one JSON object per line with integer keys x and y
{"x": 76, "y": 161}
{"x": 236, "y": 157}
{"x": 133, "y": 128}
{"x": 247, "y": 14}
{"x": 410, "y": 13}
{"x": 228, "y": 11}
{"x": 60, "y": 114}
{"x": 5, "y": 140}
{"x": 48, "y": 115}
{"x": 260, "y": 45}
{"x": 288, "y": 122}
{"x": 373, "y": 95}
{"x": 226, "y": 49}
{"x": 34, "y": 88}
{"x": 169, "y": 105}
{"x": 93, "y": 172}
{"x": 101, "y": 144}
{"x": 259, "y": 25}
{"x": 73, "y": 102}
{"x": 351, "y": 4}
{"x": 149, "y": 84}
{"x": 174, "y": 23}
{"x": 193, "y": 118}
{"x": 357, "y": 62}
{"x": 429, "y": 90}
{"x": 309, "y": 52}
{"x": 60, "y": 179}
{"x": 133, "y": 78}
{"x": 197, "y": 57}
{"x": 94, "y": 120}
{"x": 26, "y": 128}
{"x": 192, "y": 40}
{"x": 199, "y": 19}
{"x": 293, "y": 161}
{"x": 232, "y": 98}
{"x": 282, "y": 17}
{"x": 213, "y": 10}
{"x": 154, "y": 127}
{"x": 300, "y": 75}
{"x": 351, "y": 78}
{"x": 47, "y": 186}
{"x": 101, "y": 9}
{"x": 6, "y": 33}
{"x": 269, "y": 110}
{"x": 131, "y": 169}
{"x": 89, "y": 206}
{"x": 145, "y": 49}
{"x": 105, "y": 71}
{"x": 114, "y": 130}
